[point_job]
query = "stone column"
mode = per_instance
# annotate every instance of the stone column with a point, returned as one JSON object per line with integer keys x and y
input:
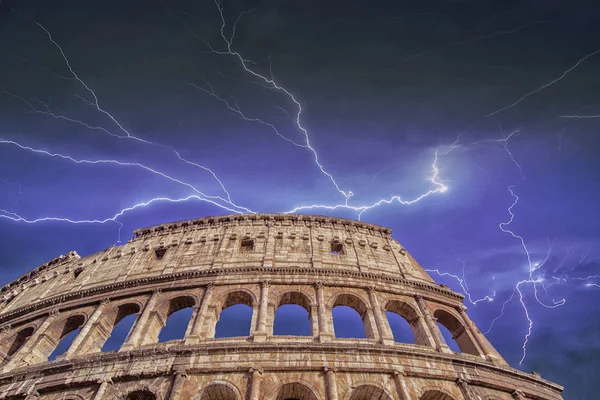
{"x": 435, "y": 334}
{"x": 260, "y": 334}
{"x": 519, "y": 395}
{"x": 32, "y": 394}
{"x": 179, "y": 377}
{"x": 140, "y": 327}
{"x": 325, "y": 331}
{"x": 400, "y": 386}
{"x": 87, "y": 332}
{"x": 5, "y": 334}
{"x": 198, "y": 331}
{"x": 487, "y": 350}
{"x": 463, "y": 385}
{"x": 331, "y": 384}
{"x": 104, "y": 384}
{"x": 314, "y": 320}
{"x": 385, "y": 333}
{"x": 255, "y": 376}
{"x": 32, "y": 352}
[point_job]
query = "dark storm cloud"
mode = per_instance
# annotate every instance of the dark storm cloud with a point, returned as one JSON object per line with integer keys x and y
{"x": 375, "y": 132}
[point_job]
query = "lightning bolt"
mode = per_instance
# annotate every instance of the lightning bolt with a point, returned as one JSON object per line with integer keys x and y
{"x": 454, "y": 44}
{"x": 269, "y": 81}
{"x": 463, "y": 284}
{"x": 519, "y": 100}
{"x": 580, "y": 116}
{"x": 96, "y": 105}
{"x": 215, "y": 200}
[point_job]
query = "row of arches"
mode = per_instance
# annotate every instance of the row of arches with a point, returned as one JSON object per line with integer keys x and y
{"x": 289, "y": 391}
{"x": 234, "y": 313}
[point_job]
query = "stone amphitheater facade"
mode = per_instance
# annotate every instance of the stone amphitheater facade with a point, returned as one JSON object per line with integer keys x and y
{"x": 263, "y": 261}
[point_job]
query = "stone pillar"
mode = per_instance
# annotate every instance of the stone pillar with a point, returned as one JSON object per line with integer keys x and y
{"x": 32, "y": 351}
{"x": 32, "y": 394}
{"x": 331, "y": 384}
{"x": 139, "y": 329}
{"x": 87, "y": 331}
{"x": 481, "y": 348}
{"x": 435, "y": 334}
{"x": 179, "y": 377}
{"x": 255, "y": 376}
{"x": 385, "y": 333}
{"x": 314, "y": 320}
{"x": 5, "y": 334}
{"x": 198, "y": 330}
{"x": 400, "y": 385}
{"x": 325, "y": 331}
{"x": 487, "y": 349}
{"x": 463, "y": 385}
{"x": 104, "y": 384}
{"x": 260, "y": 334}
{"x": 519, "y": 395}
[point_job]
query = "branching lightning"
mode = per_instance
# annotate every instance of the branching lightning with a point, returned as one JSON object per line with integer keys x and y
{"x": 435, "y": 182}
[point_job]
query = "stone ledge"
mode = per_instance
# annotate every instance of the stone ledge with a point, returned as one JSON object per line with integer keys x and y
{"x": 223, "y": 220}
{"x": 287, "y": 271}
{"x": 100, "y": 360}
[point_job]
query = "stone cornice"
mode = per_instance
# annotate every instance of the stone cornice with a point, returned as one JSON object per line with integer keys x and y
{"x": 228, "y": 219}
{"x": 178, "y": 350}
{"x": 287, "y": 271}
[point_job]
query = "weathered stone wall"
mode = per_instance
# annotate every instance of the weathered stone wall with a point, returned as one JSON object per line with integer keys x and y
{"x": 263, "y": 261}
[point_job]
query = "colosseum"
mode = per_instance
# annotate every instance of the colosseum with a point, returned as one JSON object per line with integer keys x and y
{"x": 261, "y": 261}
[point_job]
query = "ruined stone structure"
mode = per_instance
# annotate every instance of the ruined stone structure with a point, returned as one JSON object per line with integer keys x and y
{"x": 263, "y": 261}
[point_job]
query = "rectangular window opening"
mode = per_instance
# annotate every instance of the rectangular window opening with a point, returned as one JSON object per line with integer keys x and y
{"x": 247, "y": 245}
{"x": 337, "y": 248}
{"x": 160, "y": 253}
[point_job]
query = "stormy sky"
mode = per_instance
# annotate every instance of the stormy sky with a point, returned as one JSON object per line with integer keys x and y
{"x": 148, "y": 101}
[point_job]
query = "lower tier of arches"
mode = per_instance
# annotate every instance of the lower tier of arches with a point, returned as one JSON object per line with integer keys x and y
{"x": 248, "y": 371}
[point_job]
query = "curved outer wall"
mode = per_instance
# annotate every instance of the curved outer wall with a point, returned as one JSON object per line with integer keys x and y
{"x": 264, "y": 261}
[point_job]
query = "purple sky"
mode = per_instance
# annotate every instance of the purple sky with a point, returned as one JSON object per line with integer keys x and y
{"x": 381, "y": 90}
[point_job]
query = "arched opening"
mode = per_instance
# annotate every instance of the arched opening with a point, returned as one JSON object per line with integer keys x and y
{"x": 400, "y": 328}
{"x": 457, "y": 331}
{"x": 292, "y": 316}
{"x": 295, "y": 391}
{"x": 179, "y": 315}
{"x": 369, "y": 392}
{"x": 448, "y": 338}
{"x": 218, "y": 391}
{"x": 64, "y": 335}
{"x": 235, "y": 315}
{"x": 435, "y": 395}
{"x": 141, "y": 395}
{"x": 404, "y": 323}
{"x": 121, "y": 324}
{"x": 14, "y": 343}
{"x": 350, "y": 318}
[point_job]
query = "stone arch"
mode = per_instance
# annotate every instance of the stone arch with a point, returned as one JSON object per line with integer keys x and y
{"x": 171, "y": 305}
{"x": 74, "y": 397}
{"x": 56, "y": 332}
{"x": 294, "y": 297}
{"x": 359, "y": 305}
{"x": 435, "y": 394}
{"x": 410, "y": 315}
{"x": 295, "y": 390}
{"x": 14, "y": 342}
{"x": 460, "y": 334}
{"x": 221, "y": 390}
{"x": 234, "y": 297}
{"x": 369, "y": 391}
{"x": 141, "y": 394}
{"x": 106, "y": 324}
